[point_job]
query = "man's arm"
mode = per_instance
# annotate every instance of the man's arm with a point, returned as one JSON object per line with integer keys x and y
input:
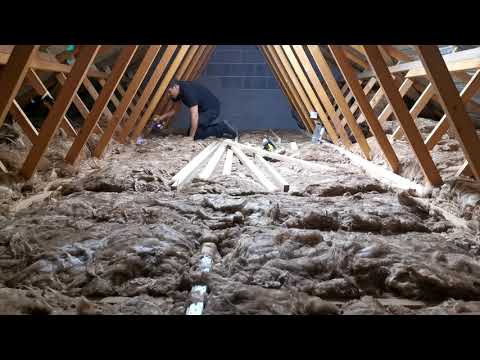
{"x": 193, "y": 120}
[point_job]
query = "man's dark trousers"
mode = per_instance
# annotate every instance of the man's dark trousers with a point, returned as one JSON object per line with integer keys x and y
{"x": 209, "y": 126}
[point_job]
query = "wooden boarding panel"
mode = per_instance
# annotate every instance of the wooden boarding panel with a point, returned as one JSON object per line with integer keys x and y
{"x": 287, "y": 87}
{"x": 401, "y": 111}
{"x": 119, "y": 69}
{"x": 350, "y": 77}
{"x": 255, "y": 171}
{"x": 147, "y": 92}
{"x": 455, "y": 66}
{"x": 309, "y": 91}
{"x": 451, "y": 102}
{"x": 321, "y": 93}
{"x": 442, "y": 126}
{"x": 59, "y": 109}
{"x": 12, "y": 76}
{"x": 417, "y": 108}
{"x": 337, "y": 94}
{"x": 132, "y": 89}
{"x": 160, "y": 91}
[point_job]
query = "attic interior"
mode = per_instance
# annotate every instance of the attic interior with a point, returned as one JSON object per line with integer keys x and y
{"x": 102, "y": 211}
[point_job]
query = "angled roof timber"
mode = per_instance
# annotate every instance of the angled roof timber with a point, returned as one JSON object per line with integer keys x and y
{"x": 192, "y": 59}
{"x": 442, "y": 126}
{"x": 292, "y": 97}
{"x": 147, "y": 91}
{"x": 321, "y": 93}
{"x": 377, "y": 130}
{"x": 340, "y": 100}
{"x": 451, "y": 60}
{"x": 44, "y": 61}
{"x": 127, "y": 99}
{"x": 292, "y": 78}
{"x": 59, "y": 109}
{"x": 11, "y": 78}
{"x": 310, "y": 93}
{"x": 104, "y": 97}
{"x": 302, "y": 107}
{"x": 401, "y": 111}
{"x": 160, "y": 91}
{"x": 459, "y": 120}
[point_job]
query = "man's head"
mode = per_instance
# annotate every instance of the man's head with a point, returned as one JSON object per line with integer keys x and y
{"x": 173, "y": 89}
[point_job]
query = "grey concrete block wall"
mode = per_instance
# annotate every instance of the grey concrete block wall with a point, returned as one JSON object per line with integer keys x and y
{"x": 247, "y": 89}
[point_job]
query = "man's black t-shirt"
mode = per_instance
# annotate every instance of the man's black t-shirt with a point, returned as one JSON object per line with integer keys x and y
{"x": 192, "y": 93}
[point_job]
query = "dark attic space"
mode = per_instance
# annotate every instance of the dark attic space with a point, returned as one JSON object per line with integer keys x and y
{"x": 239, "y": 179}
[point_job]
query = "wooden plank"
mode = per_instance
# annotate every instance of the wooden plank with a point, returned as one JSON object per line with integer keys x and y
{"x": 388, "y": 110}
{"x": 132, "y": 89}
{"x": 59, "y": 109}
{"x": 291, "y": 77}
{"x": 368, "y": 87}
{"x": 442, "y": 126}
{"x": 204, "y": 66}
{"x": 287, "y": 86}
{"x": 22, "y": 119}
{"x": 321, "y": 93}
{"x": 464, "y": 170}
{"x": 189, "y": 171}
{"x": 3, "y": 167}
{"x": 102, "y": 82}
{"x": 288, "y": 159}
{"x": 12, "y": 76}
{"x": 359, "y": 48}
{"x": 187, "y": 63}
{"x": 227, "y": 165}
{"x": 400, "y": 109}
{"x": 160, "y": 91}
{"x": 119, "y": 69}
{"x": 355, "y": 59}
{"x": 337, "y": 94}
{"x": 45, "y": 62}
{"x": 213, "y": 162}
{"x": 94, "y": 94}
{"x": 257, "y": 174}
{"x": 381, "y": 173}
{"x": 454, "y": 66}
{"x": 278, "y": 179}
{"x": 314, "y": 100}
{"x": 417, "y": 108}
{"x": 147, "y": 91}
{"x": 452, "y": 104}
{"x": 37, "y": 84}
{"x": 417, "y": 64}
{"x": 350, "y": 77}
{"x": 78, "y": 102}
